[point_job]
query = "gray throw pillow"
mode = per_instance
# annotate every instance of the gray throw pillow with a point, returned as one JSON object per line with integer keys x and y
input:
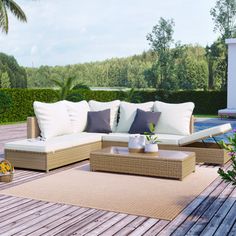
{"x": 142, "y": 120}
{"x": 99, "y": 122}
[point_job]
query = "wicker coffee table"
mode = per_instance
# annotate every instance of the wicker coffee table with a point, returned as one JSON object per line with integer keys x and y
{"x": 167, "y": 164}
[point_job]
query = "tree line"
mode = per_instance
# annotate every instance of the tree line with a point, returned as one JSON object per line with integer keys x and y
{"x": 190, "y": 71}
{"x": 168, "y": 65}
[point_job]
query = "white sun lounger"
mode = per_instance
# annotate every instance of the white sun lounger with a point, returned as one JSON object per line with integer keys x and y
{"x": 206, "y": 152}
{"x": 205, "y": 134}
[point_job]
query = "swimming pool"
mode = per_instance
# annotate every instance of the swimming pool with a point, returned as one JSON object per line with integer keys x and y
{"x": 202, "y": 125}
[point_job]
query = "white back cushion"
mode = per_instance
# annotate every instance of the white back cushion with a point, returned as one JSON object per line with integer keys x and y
{"x": 113, "y": 106}
{"x": 53, "y": 119}
{"x": 128, "y": 112}
{"x": 175, "y": 118}
{"x": 78, "y": 112}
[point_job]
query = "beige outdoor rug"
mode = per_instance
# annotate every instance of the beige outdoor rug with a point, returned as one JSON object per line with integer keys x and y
{"x": 144, "y": 196}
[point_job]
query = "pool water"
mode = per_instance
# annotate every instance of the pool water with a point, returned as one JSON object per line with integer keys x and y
{"x": 202, "y": 125}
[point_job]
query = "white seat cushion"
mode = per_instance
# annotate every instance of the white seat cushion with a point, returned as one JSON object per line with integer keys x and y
{"x": 53, "y": 119}
{"x": 78, "y": 112}
{"x": 169, "y": 139}
{"x": 206, "y": 133}
{"x": 175, "y": 118}
{"x": 55, "y": 143}
{"x": 128, "y": 112}
{"x": 165, "y": 139}
{"x": 113, "y": 106}
{"x": 116, "y": 137}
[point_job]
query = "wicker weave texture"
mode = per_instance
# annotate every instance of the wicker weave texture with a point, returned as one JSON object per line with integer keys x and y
{"x": 145, "y": 165}
{"x": 210, "y": 154}
{"x": 33, "y": 130}
{"x": 48, "y": 161}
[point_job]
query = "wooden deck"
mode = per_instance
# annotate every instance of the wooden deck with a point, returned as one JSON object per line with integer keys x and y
{"x": 211, "y": 213}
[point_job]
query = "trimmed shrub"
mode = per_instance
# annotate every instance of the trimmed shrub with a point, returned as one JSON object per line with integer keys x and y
{"x": 22, "y": 102}
{"x": 206, "y": 102}
{"x": 5, "y": 102}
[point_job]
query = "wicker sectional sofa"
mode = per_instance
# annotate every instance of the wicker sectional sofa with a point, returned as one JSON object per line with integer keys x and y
{"x": 36, "y": 153}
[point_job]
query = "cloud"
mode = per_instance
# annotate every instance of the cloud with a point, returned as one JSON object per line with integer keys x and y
{"x": 62, "y": 32}
{"x": 34, "y": 50}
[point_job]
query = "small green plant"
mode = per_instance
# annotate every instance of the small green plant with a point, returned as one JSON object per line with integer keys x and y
{"x": 229, "y": 176}
{"x": 151, "y": 137}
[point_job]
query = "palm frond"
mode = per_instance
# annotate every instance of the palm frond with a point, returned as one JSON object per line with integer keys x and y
{"x": 58, "y": 83}
{"x": 69, "y": 82}
{"x": 3, "y": 18}
{"x": 16, "y": 10}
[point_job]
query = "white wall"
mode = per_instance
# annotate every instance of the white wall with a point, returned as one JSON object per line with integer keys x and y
{"x": 231, "y": 98}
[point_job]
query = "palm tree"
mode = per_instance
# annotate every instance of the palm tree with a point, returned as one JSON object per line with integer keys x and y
{"x": 14, "y": 8}
{"x": 65, "y": 86}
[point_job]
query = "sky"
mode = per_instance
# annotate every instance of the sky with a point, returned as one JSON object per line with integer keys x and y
{"x": 62, "y": 32}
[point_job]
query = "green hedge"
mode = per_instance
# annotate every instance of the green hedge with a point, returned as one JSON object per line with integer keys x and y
{"x": 22, "y": 102}
{"x": 205, "y": 102}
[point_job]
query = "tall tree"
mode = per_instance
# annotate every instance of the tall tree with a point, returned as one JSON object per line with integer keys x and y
{"x": 224, "y": 16}
{"x": 160, "y": 40}
{"x": 16, "y": 73}
{"x": 15, "y": 9}
{"x": 5, "y": 80}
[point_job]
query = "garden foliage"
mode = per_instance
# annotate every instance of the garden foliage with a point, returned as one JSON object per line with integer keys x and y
{"x": 22, "y": 99}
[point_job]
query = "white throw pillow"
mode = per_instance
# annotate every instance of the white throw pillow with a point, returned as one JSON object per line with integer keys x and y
{"x": 53, "y": 119}
{"x": 78, "y": 112}
{"x": 113, "y": 106}
{"x": 175, "y": 118}
{"x": 128, "y": 112}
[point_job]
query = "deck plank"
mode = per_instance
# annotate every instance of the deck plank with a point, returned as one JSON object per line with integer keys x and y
{"x": 232, "y": 230}
{"x": 95, "y": 223}
{"x": 119, "y": 225}
{"x": 228, "y": 222}
{"x": 157, "y": 228}
{"x": 80, "y": 224}
{"x": 131, "y": 227}
{"x": 38, "y": 225}
{"x": 180, "y": 219}
{"x": 37, "y": 216}
{"x": 106, "y": 225}
{"x": 75, "y": 219}
{"x": 58, "y": 223}
{"x": 218, "y": 218}
{"x": 205, "y": 218}
{"x": 190, "y": 221}
{"x": 144, "y": 227}
{"x": 7, "y": 224}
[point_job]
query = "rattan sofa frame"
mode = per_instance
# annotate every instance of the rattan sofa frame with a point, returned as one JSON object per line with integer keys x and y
{"x": 205, "y": 152}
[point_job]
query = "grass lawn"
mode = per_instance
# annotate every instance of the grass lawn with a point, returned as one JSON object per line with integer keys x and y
{"x": 205, "y": 116}
{"x": 12, "y": 123}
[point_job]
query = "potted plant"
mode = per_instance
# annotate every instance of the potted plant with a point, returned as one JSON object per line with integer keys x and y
{"x": 6, "y": 171}
{"x": 229, "y": 176}
{"x": 151, "y": 145}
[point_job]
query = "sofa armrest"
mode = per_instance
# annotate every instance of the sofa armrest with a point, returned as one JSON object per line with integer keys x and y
{"x": 192, "y": 124}
{"x": 33, "y": 130}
